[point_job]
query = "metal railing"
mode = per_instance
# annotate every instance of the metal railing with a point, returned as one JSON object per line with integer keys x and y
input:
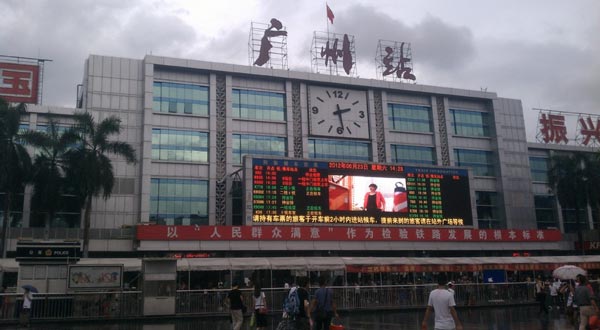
{"x": 129, "y": 304}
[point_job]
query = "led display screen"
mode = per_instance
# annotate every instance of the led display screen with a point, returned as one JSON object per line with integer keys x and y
{"x": 339, "y": 192}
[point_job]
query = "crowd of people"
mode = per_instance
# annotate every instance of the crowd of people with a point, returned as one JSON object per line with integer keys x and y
{"x": 578, "y": 299}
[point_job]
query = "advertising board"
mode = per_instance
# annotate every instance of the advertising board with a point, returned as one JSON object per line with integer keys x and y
{"x": 340, "y": 192}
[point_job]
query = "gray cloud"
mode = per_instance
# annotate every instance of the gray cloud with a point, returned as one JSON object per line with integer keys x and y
{"x": 434, "y": 43}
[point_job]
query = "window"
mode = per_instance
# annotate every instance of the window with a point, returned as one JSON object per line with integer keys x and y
{"x": 16, "y": 209}
{"x": 539, "y": 167}
{"x": 413, "y": 154}
{"x": 179, "y": 201}
{"x": 68, "y": 216}
{"x": 410, "y": 118}
{"x": 257, "y": 145}
{"x": 257, "y": 105}
{"x": 343, "y": 150}
{"x": 487, "y": 209}
{"x": 176, "y": 145}
{"x": 545, "y": 212}
{"x": 479, "y": 161}
{"x": 470, "y": 123}
{"x": 180, "y": 98}
{"x": 570, "y": 220}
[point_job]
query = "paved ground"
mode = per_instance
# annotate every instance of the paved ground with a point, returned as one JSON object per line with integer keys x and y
{"x": 499, "y": 318}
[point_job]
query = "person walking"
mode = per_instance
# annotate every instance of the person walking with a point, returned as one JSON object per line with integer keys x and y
{"x": 583, "y": 298}
{"x": 260, "y": 307}
{"x": 25, "y": 316}
{"x": 441, "y": 301}
{"x": 323, "y": 306}
{"x": 540, "y": 296}
{"x": 236, "y": 306}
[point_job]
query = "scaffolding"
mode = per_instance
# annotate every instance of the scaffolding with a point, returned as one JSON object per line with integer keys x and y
{"x": 39, "y": 62}
{"x": 275, "y": 45}
{"x": 394, "y": 61}
{"x": 333, "y": 54}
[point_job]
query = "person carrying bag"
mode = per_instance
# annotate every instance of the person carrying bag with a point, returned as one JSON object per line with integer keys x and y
{"x": 323, "y": 306}
{"x": 260, "y": 308}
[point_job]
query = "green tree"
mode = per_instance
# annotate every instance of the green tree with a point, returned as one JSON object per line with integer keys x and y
{"x": 90, "y": 170}
{"x": 575, "y": 179}
{"x": 49, "y": 168}
{"x": 15, "y": 163}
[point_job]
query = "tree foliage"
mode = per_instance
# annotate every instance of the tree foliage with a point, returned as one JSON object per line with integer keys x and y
{"x": 15, "y": 162}
{"x": 90, "y": 170}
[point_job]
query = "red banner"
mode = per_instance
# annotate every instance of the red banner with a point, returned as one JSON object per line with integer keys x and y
{"x": 341, "y": 233}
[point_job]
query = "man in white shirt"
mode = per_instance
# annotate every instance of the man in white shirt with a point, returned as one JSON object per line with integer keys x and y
{"x": 442, "y": 303}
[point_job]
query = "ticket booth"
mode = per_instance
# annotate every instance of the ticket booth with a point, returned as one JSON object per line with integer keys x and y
{"x": 159, "y": 286}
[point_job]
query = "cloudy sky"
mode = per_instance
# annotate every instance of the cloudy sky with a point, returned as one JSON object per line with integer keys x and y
{"x": 543, "y": 52}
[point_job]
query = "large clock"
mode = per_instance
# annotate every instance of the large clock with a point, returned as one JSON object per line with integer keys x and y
{"x": 338, "y": 112}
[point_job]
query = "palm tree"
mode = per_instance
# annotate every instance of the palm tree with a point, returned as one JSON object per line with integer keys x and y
{"x": 15, "y": 162}
{"x": 90, "y": 170}
{"x": 575, "y": 179}
{"x": 49, "y": 168}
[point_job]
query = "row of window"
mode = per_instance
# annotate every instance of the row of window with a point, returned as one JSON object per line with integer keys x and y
{"x": 259, "y": 105}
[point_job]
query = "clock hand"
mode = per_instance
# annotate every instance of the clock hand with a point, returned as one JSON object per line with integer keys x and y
{"x": 339, "y": 113}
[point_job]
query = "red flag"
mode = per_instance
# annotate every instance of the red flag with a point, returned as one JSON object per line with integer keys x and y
{"x": 329, "y": 14}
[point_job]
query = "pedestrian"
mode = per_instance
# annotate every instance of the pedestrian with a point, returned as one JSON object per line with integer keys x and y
{"x": 583, "y": 299}
{"x": 236, "y": 306}
{"x": 442, "y": 302}
{"x": 25, "y": 316}
{"x": 323, "y": 307}
{"x": 450, "y": 286}
{"x": 303, "y": 320}
{"x": 260, "y": 307}
{"x": 554, "y": 287}
{"x": 540, "y": 295}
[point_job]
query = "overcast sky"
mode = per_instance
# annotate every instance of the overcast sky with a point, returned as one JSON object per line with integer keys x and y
{"x": 543, "y": 52}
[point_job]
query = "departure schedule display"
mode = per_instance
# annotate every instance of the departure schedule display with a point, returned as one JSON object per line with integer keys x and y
{"x": 339, "y": 192}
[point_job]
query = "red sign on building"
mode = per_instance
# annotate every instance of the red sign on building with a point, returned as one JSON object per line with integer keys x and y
{"x": 19, "y": 82}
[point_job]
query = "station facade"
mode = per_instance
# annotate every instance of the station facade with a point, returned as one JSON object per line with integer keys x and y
{"x": 192, "y": 123}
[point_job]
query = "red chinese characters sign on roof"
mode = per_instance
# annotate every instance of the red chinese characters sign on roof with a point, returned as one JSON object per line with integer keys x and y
{"x": 19, "y": 82}
{"x": 341, "y": 233}
{"x": 553, "y": 127}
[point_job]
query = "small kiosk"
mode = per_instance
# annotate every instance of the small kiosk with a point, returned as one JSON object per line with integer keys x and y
{"x": 159, "y": 286}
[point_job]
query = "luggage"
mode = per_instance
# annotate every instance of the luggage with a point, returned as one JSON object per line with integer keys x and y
{"x": 336, "y": 324}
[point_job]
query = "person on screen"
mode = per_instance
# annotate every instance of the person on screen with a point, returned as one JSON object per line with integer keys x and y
{"x": 374, "y": 201}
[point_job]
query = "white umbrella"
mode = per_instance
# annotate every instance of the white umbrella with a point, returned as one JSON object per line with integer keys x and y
{"x": 568, "y": 272}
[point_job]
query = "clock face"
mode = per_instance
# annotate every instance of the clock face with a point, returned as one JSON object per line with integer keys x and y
{"x": 338, "y": 112}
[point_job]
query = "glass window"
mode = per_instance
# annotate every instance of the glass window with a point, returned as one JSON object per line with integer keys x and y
{"x": 246, "y": 144}
{"x": 16, "y": 209}
{"x": 180, "y": 98}
{"x": 545, "y": 211}
{"x": 413, "y": 154}
{"x": 179, "y": 201}
{"x": 479, "y": 161}
{"x": 258, "y": 105}
{"x": 470, "y": 123}
{"x": 177, "y": 145}
{"x": 410, "y": 118}
{"x": 487, "y": 209}
{"x": 570, "y": 220}
{"x": 539, "y": 167}
{"x": 343, "y": 150}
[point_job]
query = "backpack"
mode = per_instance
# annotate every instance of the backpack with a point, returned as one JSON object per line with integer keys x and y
{"x": 291, "y": 304}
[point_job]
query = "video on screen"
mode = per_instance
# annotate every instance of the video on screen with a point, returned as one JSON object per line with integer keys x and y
{"x": 365, "y": 193}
